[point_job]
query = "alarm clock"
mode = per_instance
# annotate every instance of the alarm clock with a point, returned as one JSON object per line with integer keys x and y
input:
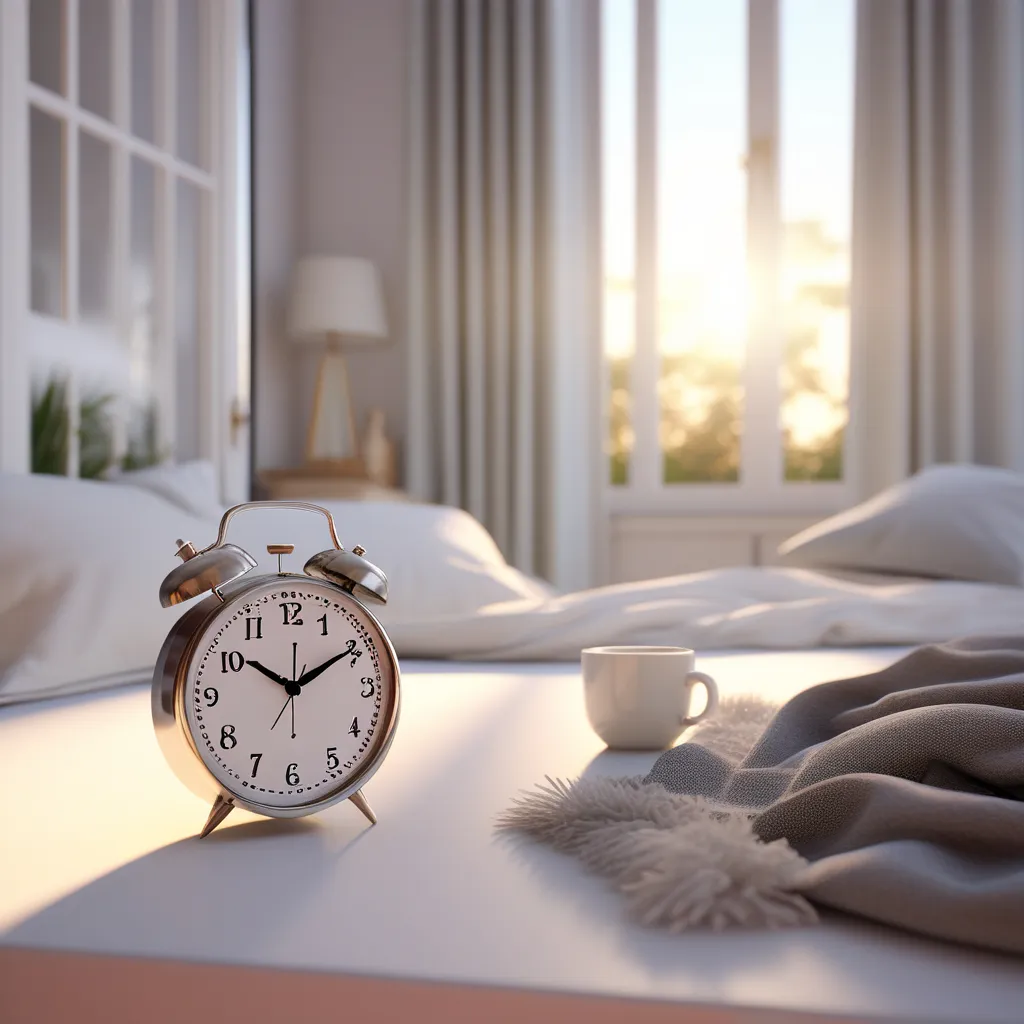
{"x": 276, "y": 693}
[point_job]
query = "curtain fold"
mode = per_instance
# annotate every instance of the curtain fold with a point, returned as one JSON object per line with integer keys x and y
{"x": 504, "y": 284}
{"x": 937, "y": 332}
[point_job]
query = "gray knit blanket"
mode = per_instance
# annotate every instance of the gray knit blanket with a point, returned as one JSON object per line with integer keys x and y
{"x": 895, "y": 796}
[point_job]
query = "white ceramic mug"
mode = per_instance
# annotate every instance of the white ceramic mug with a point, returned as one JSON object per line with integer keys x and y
{"x": 638, "y": 698}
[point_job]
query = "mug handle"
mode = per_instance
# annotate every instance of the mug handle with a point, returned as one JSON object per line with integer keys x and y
{"x": 712, "y": 691}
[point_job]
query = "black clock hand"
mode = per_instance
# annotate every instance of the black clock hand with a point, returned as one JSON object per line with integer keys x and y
{"x": 266, "y": 671}
{"x": 309, "y": 676}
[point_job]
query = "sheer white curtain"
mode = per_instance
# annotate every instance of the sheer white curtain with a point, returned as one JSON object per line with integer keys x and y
{"x": 938, "y": 261}
{"x": 504, "y": 304}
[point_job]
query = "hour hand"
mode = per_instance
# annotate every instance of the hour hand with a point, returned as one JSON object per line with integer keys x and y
{"x": 266, "y": 671}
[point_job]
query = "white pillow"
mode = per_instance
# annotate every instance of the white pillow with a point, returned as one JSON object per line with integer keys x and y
{"x": 192, "y": 486}
{"x": 961, "y": 522}
{"x": 82, "y": 561}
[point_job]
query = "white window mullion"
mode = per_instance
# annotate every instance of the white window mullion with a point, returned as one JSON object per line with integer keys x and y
{"x": 69, "y": 182}
{"x": 165, "y": 388}
{"x": 121, "y": 198}
{"x": 645, "y": 468}
{"x": 761, "y": 466}
{"x": 211, "y": 19}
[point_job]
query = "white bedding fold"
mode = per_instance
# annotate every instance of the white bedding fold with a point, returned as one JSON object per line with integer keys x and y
{"x": 721, "y": 609}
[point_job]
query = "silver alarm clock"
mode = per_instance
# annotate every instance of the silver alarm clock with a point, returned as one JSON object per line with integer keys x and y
{"x": 276, "y": 693}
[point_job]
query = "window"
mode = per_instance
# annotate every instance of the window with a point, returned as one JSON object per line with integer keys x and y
{"x": 130, "y": 118}
{"x": 727, "y": 133}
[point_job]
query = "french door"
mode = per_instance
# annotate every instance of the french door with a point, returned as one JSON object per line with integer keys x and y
{"x": 124, "y": 210}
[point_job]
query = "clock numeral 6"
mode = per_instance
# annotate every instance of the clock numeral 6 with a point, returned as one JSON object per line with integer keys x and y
{"x": 234, "y": 660}
{"x": 227, "y": 737}
{"x": 332, "y": 758}
{"x": 211, "y": 695}
{"x": 291, "y": 776}
{"x": 367, "y": 690}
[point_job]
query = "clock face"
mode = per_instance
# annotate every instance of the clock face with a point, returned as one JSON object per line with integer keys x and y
{"x": 289, "y": 692}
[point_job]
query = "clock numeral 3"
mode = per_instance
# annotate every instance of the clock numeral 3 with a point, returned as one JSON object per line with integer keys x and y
{"x": 332, "y": 758}
{"x": 249, "y": 634}
{"x": 292, "y": 776}
{"x": 354, "y": 727}
{"x": 367, "y": 690}
{"x": 211, "y": 695}
{"x": 227, "y": 737}
{"x": 234, "y": 660}
{"x": 255, "y": 758}
{"x": 291, "y": 611}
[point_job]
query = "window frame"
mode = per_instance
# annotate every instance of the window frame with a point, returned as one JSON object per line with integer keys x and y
{"x": 761, "y": 487}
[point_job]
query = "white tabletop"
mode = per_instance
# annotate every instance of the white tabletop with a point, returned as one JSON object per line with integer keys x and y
{"x": 97, "y": 856}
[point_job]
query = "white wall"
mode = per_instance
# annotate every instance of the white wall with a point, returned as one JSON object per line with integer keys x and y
{"x": 277, "y": 420}
{"x": 331, "y": 119}
{"x": 353, "y": 119}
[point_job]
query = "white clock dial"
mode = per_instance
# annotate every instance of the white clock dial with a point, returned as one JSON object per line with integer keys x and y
{"x": 288, "y": 691}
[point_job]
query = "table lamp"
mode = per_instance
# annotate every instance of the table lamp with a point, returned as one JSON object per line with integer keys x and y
{"x": 335, "y": 300}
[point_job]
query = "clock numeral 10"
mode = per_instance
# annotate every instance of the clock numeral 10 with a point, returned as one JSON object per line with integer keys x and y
{"x": 332, "y": 758}
{"x": 255, "y": 758}
{"x": 249, "y": 632}
{"x": 234, "y": 660}
{"x": 291, "y": 776}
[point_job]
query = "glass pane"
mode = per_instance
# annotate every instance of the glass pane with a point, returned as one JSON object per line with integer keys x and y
{"x": 95, "y": 56}
{"x": 618, "y": 162}
{"x": 702, "y": 322}
{"x": 143, "y": 90}
{"x": 186, "y": 319}
{"x": 142, "y": 279}
{"x": 95, "y": 229}
{"x": 191, "y": 82}
{"x": 46, "y": 187}
{"x": 46, "y": 43}
{"x": 816, "y": 191}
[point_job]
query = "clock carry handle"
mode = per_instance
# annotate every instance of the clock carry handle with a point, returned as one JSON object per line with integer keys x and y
{"x": 221, "y": 563}
{"x": 304, "y": 506}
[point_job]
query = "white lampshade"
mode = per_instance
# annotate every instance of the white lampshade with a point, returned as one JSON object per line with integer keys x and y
{"x": 336, "y": 295}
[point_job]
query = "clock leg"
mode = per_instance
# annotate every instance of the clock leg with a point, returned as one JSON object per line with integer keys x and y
{"x": 222, "y": 807}
{"x": 360, "y": 801}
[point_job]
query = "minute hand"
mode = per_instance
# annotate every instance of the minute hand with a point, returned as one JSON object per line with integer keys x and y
{"x": 309, "y": 676}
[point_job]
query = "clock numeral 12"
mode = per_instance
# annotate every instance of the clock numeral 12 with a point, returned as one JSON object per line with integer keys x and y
{"x": 291, "y": 611}
{"x": 249, "y": 620}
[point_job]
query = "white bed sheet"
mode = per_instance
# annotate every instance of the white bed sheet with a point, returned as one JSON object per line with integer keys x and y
{"x": 97, "y": 852}
{"x": 724, "y": 609}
